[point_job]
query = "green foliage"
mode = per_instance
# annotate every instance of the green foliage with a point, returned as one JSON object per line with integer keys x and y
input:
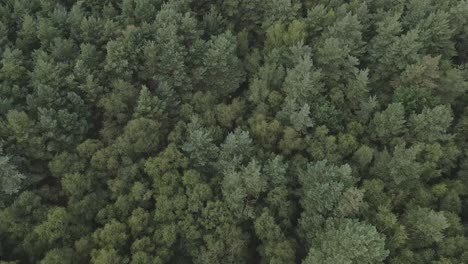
{"x": 389, "y": 123}
{"x": 56, "y": 228}
{"x": 242, "y": 188}
{"x": 431, "y": 125}
{"x": 59, "y": 255}
{"x": 197, "y": 131}
{"x": 112, "y": 235}
{"x": 348, "y": 242}
{"x": 10, "y": 178}
{"x": 275, "y": 248}
{"x": 425, "y": 226}
{"x": 140, "y": 136}
{"x": 222, "y": 69}
{"x": 324, "y": 188}
{"x": 302, "y": 83}
{"x": 235, "y": 150}
{"x": 199, "y": 145}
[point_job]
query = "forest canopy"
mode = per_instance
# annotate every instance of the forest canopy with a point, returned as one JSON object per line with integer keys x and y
{"x": 234, "y": 132}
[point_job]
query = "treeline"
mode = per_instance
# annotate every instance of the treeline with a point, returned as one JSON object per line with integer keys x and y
{"x": 260, "y": 131}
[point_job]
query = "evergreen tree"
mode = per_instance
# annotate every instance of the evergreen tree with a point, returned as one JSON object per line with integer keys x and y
{"x": 197, "y": 131}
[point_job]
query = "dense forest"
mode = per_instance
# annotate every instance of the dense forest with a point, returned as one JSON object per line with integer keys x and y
{"x": 234, "y": 131}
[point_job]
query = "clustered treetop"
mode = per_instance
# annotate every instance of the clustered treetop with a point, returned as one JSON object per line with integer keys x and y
{"x": 260, "y": 131}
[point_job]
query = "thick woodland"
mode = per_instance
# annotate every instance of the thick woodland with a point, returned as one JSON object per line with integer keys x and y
{"x": 234, "y": 131}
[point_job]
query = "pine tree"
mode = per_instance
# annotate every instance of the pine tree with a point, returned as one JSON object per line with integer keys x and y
{"x": 348, "y": 241}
